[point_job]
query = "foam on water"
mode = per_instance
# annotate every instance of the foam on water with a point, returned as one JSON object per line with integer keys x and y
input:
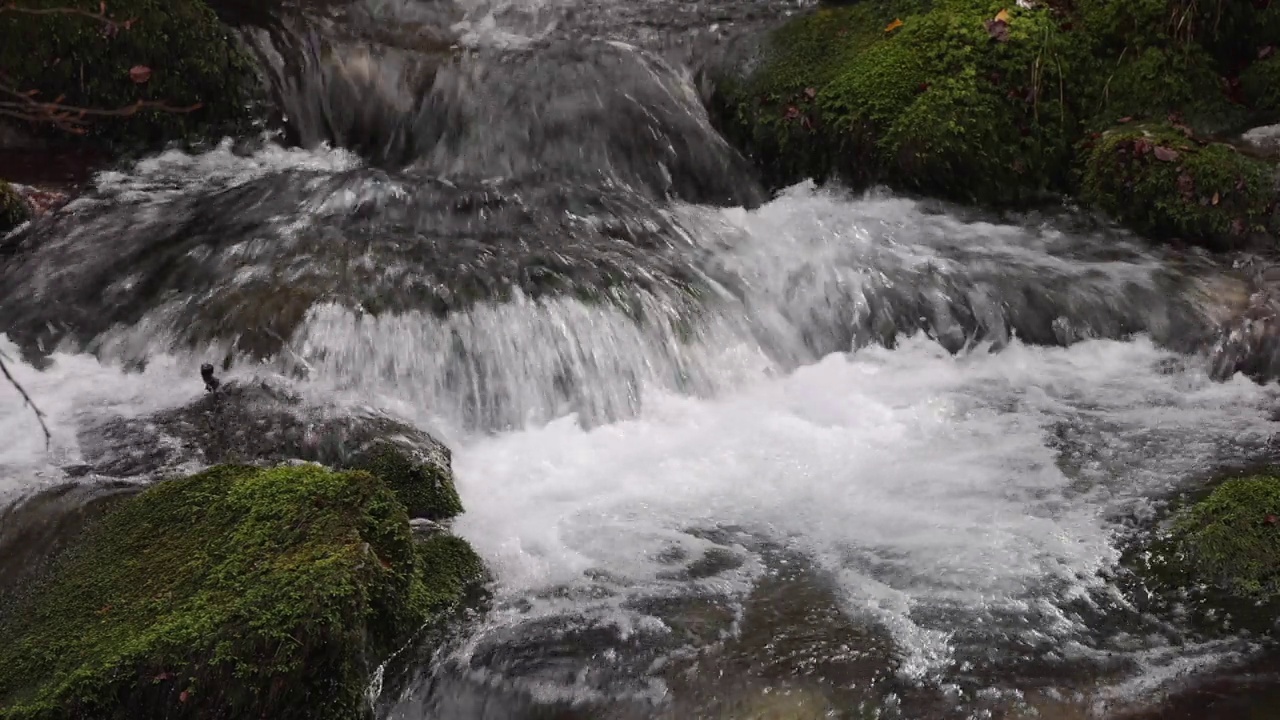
{"x": 922, "y": 479}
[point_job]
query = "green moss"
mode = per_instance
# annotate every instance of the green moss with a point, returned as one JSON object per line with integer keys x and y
{"x": 1231, "y": 540}
{"x": 238, "y": 592}
{"x": 1160, "y": 182}
{"x": 13, "y": 212}
{"x": 424, "y": 486}
{"x": 1260, "y": 84}
{"x": 1156, "y": 82}
{"x": 944, "y": 104}
{"x": 191, "y": 57}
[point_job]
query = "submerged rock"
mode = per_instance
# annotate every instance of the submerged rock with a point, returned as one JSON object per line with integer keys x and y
{"x": 113, "y": 56}
{"x": 237, "y": 592}
{"x": 257, "y": 423}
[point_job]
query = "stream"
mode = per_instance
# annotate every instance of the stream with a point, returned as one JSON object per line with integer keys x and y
{"x": 727, "y": 454}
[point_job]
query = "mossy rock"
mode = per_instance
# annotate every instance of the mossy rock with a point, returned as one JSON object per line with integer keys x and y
{"x": 13, "y": 211}
{"x": 422, "y": 482}
{"x": 259, "y": 423}
{"x": 1231, "y": 539}
{"x": 191, "y": 58}
{"x": 1160, "y": 180}
{"x": 950, "y": 102}
{"x": 1260, "y": 84}
{"x": 1156, "y": 83}
{"x": 237, "y": 592}
{"x": 1214, "y": 565}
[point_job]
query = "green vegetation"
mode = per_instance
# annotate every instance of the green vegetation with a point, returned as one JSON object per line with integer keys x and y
{"x": 1160, "y": 181}
{"x": 993, "y": 103}
{"x": 1261, "y": 84}
{"x": 162, "y": 51}
{"x": 423, "y": 485}
{"x": 237, "y": 592}
{"x": 1231, "y": 539}
{"x": 13, "y": 211}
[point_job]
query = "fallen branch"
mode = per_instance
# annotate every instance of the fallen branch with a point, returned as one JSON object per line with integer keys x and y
{"x": 48, "y": 437}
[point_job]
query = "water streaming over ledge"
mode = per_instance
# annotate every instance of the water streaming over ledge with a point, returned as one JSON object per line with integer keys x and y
{"x": 683, "y": 416}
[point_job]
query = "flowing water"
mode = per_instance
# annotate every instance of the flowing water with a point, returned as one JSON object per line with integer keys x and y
{"x": 818, "y": 455}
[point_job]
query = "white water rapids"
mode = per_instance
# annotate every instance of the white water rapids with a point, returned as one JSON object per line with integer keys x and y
{"x": 942, "y": 491}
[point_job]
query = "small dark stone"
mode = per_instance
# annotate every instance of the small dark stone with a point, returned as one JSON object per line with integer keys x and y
{"x": 211, "y": 383}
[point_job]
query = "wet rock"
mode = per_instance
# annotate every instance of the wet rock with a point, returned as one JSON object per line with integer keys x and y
{"x": 237, "y": 592}
{"x": 257, "y": 423}
{"x": 222, "y": 264}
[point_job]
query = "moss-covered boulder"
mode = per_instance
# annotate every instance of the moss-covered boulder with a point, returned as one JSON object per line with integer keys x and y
{"x": 1231, "y": 539}
{"x": 1162, "y": 181}
{"x": 110, "y": 56}
{"x": 989, "y": 102}
{"x": 1214, "y": 565}
{"x": 956, "y": 98}
{"x": 13, "y": 211}
{"x": 237, "y": 592}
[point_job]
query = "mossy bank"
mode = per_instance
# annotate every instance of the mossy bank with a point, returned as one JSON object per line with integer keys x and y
{"x": 237, "y": 592}
{"x": 13, "y": 211}
{"x": 174, "y": 56}
{"x": 992, "y": 102}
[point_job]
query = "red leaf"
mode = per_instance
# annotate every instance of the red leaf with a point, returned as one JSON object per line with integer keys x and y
{"x": 1165, "y": 154}
{"x": 793, "y": 112}
{"x": 139, "y": 74}
{"x": 1237, "y": 226}
{"x": 1272, "y": 519}
{"x": 182, "y": 696}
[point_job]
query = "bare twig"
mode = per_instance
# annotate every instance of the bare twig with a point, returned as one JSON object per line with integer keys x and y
{"x": 48, "y": 437}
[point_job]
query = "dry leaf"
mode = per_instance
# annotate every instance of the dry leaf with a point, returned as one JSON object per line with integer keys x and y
{"x": 1216, "y": 199}
{"x": 1165, "y": 154}
{"x": 139, "y": 74}
{"x": 1003, "y": 16}
{"x": 897, "y": 23}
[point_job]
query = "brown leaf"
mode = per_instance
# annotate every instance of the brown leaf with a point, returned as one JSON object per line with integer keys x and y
{"x": 811, "y": 93}
{"x": 1215, "y": 199}
{"x": 1266, "y": 52}
{"x": 1003, "y": 16}
{"x": 1141, "y": 146}
{"x": 897, "y": 23}
{"x": 998, "y": 30}
{"x": 139, "y": 74}
{"x": 182, "y": 696}
{"x": 1125, "y": 119}
{"x": 792, "y": 113}
{"x": 1238, "y": 226}
{"x": 1164, "y": 154}
{"x": 1272, "y": 520}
